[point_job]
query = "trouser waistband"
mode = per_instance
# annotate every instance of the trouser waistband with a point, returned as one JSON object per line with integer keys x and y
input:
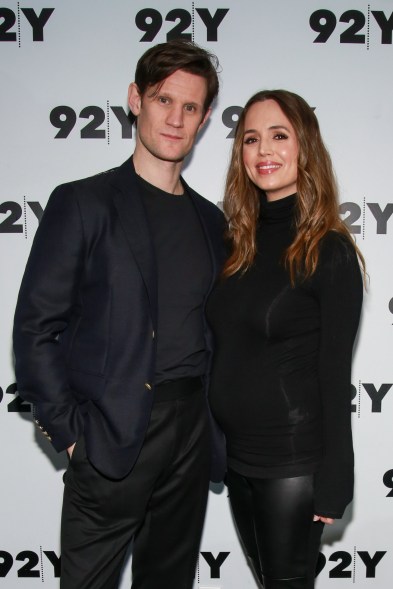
{"x": 177, "y": 389}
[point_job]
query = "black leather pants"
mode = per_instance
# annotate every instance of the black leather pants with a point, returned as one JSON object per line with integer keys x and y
{"x": 274, "y": 518}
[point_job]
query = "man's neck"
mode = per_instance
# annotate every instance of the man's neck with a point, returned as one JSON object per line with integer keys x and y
{"x": 162, "y": 174}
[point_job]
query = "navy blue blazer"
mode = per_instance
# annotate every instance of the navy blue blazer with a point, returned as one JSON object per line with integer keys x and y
{"x": 86, "y": 317}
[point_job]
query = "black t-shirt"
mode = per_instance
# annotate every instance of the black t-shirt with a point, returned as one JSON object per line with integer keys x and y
{"x": 280, "y": 387}
{"x": 184, "y": 275}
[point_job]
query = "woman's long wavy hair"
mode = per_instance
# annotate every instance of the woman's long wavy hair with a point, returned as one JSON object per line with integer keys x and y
{"x": 316, "y": 208}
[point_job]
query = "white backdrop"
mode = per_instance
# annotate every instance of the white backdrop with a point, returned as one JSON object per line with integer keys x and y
{"x": 65, "y": 69}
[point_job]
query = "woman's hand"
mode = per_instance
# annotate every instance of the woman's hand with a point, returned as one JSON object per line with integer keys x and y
{"x": 324, "y": 520}
{"x": 70, "y": 450}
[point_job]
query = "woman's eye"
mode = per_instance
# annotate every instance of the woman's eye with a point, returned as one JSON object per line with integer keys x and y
{"x": 249, "y": 140}
{"x": 280, "y": 136}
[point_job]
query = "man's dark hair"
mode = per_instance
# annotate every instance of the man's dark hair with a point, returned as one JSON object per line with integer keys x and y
{"x": 162, "y": 60}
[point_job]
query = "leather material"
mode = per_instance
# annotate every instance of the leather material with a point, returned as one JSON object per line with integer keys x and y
{"x": 274, "y": 518}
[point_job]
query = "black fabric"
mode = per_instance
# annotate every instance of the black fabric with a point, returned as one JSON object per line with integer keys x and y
{"x": 274, "y": 518}
{"x": 184, "y": 273}
{"x": 161, "y": 504}
{"x": 176, "y": 389}
{"x": 280, "y": 387}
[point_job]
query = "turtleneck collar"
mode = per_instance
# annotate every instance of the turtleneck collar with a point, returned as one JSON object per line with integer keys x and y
{"x": 276, "y": 211}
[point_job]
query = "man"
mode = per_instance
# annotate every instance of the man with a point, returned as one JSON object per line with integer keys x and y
{"x": 111, "y": 343}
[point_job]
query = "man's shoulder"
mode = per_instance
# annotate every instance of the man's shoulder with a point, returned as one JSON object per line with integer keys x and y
{"x": 92, "y": 191}
{"x": 90, "y": 183}
{"x": 205, "y": 204}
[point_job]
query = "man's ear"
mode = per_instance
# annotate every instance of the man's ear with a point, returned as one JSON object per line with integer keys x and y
{"x": 206, "y": 116}
{"x": 134, "y": 99}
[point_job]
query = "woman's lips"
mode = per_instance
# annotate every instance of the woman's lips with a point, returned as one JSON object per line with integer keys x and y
{"x": 264, "y": 168}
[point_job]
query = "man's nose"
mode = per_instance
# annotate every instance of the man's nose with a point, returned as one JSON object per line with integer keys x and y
{"x": 175, "y": 116}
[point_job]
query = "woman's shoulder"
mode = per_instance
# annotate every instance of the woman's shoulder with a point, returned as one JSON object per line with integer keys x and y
{"x": 338, "y": 247}
{"x": 338, "y": 261}
{"x": 338, "y": 279}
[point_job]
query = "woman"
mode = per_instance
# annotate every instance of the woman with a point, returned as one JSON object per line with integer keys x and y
{"x": 285, "y": 316}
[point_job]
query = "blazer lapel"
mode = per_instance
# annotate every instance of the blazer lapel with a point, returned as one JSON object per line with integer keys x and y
{"x": 133, "y": 219}
{"x": 212, "y": 235}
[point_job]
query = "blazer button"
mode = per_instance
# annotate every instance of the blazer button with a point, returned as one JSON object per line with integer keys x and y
{"x": 153, "y": 335}
{"x": 148, "y": 386}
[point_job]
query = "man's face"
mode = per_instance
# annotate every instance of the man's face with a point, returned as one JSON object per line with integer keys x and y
{"x": 169, "y": 121}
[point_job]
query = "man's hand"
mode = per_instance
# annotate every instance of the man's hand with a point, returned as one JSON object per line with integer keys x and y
{"x": 70, "y": 450}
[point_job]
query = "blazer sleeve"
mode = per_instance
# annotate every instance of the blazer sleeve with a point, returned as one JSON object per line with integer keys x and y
{"x": 48, "y": 297}
{"x": 340, "y": 292}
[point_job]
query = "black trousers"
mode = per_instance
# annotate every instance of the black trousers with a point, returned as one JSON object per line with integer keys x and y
{"x": 274, "y": 518}
{"x": 160, "y": 504}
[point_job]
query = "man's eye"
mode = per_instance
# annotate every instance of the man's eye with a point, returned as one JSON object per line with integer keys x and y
{"x": 190, "y": 108}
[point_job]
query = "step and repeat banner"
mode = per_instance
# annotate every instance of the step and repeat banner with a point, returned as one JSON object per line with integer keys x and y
{"x": 65, "y": 68}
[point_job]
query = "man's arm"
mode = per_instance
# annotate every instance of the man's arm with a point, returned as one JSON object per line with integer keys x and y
{"x": 47, "y": 299}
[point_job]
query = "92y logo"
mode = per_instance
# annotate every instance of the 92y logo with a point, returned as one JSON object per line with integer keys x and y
{"x": 64, "y": 118}
{"x": 354, "y": 212}
{"x": 9, "y": 20}
{"x": 390, "y": 305}
{"x": 14, "y": 213}
{"x": 31, "y": 568}
{"x": 343, "y": 569}
{"x": 150, "y": 21}
{"x": 376, "y": 395}
{"x": 324, "y": 23}
{"x": 388, "y": 482}
{"x": 214, "y": 563}
{"x": 17, "y": 405}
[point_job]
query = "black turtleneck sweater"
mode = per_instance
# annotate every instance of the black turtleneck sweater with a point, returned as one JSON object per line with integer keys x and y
{"x": 280, "y": 386}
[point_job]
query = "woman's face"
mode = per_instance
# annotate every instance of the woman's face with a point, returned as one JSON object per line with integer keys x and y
{"x": 270, "y": 150}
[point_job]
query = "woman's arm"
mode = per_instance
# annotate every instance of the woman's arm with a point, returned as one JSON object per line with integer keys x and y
{"x": 339, "y": 286}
